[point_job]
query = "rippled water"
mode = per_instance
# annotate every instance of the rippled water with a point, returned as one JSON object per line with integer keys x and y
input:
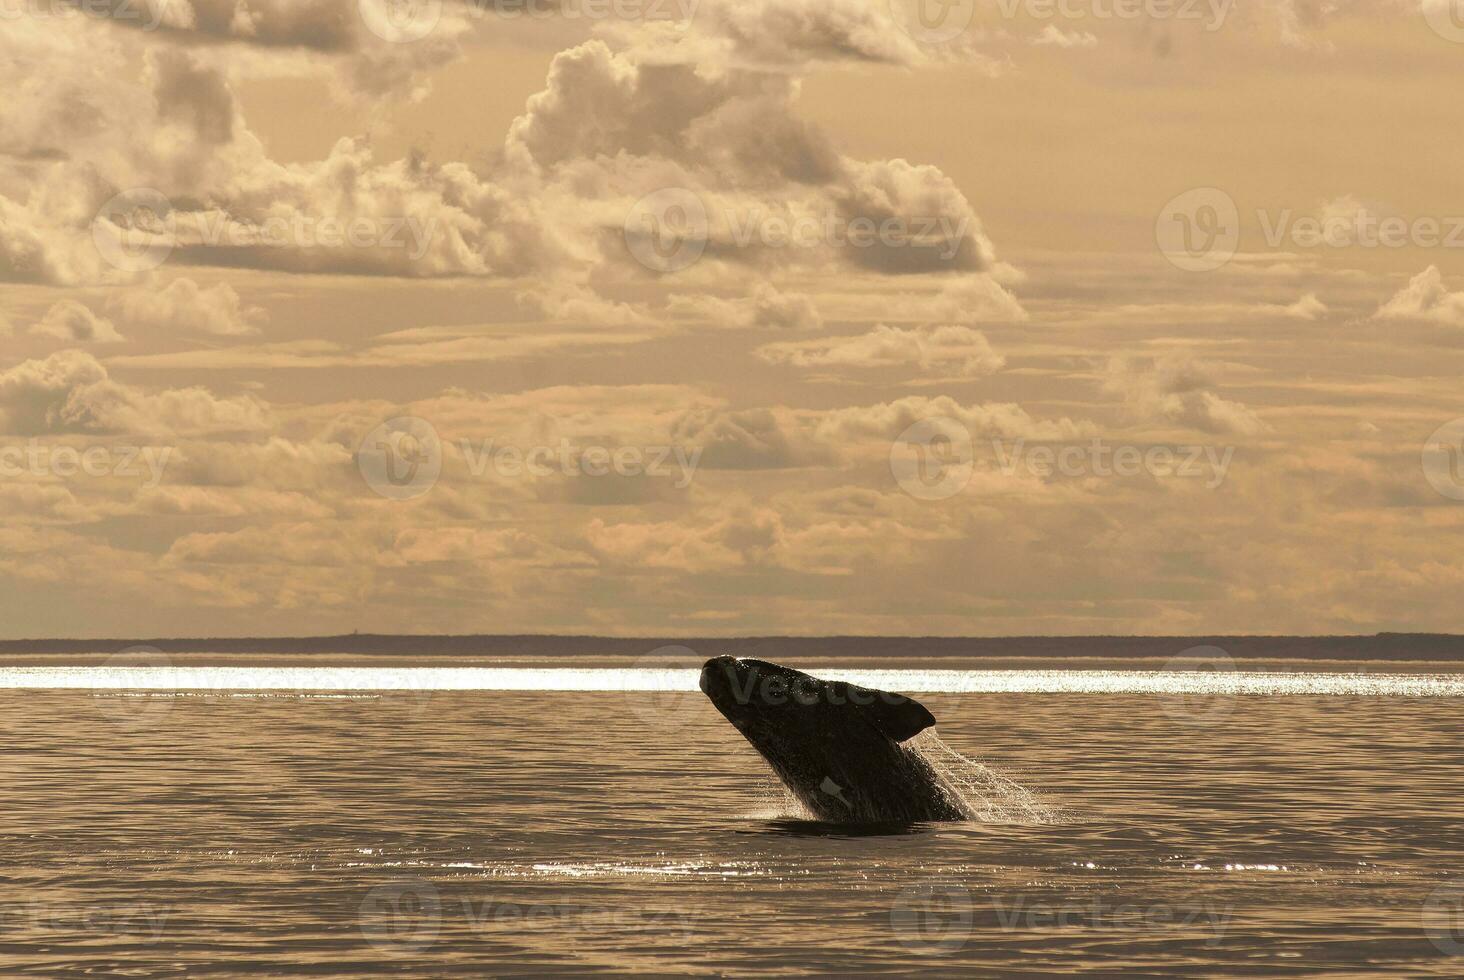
{"x": 1193, "y": 830}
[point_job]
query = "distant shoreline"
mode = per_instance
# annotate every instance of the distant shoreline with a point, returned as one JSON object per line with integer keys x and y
{"x": 1382, "y": 646}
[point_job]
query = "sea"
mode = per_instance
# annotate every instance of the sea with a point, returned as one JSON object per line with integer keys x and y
{"x": 193, "y": 815}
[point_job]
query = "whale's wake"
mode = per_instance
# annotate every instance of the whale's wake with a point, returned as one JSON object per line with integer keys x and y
{"x": 983, "y": 792}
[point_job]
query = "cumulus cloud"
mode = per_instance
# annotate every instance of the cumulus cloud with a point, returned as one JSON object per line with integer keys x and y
{"x": 74, "y": 323}
{"x": 1425, "y": 298}
{"x": 887, "y": 420}
{"x": 765, "y": 307}
{"x": 1178, "y": 390}
{"x": 1054, "y": 36}
{"x": 573, "y": 302}
{"x": 618, "y": 119}
{"x": 71, "y": 392}
{"x": 373, "y": 52}
{"x": 749, "y": 439}
{"x": 948, "y": 349}
{"x": 183, "y": 306}
{"x": 737, "y": 537}
{"x": 1306, "y": 308}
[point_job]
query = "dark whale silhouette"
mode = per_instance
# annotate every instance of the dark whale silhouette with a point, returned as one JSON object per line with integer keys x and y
{"x": 836, "y": 746}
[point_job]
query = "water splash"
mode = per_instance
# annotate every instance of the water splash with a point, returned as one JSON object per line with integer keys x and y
{"x": 985, "y": 793}
{"x": 777, "y": 802}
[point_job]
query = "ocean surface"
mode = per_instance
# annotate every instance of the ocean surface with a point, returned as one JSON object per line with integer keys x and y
{"x": 181, "y": 817}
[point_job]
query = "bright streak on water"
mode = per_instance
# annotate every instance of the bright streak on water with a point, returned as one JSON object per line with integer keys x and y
{"x": 158, "y": 678}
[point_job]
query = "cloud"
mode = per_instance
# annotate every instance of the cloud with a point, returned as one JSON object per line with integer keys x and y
{"x": 74, "y": 323}
{"x": 1306, "y": 308}
{"x": 749, "y": 439}
{"x": 642, "y": 110}
{"x": 1054, "y": 36}
{"x": 766, "y": 307}
{"x": 737, "y": 537}
{"x": 70, "y": 392}
{"x": 1425, "y": 298}
{"x": 1177, "y": 389}
{"x": 572, "y": 302}
{"x": 887, "y": 420}
{"x": 185, "y": 307}
{"x": 373, "y": 52}
{"x": 950, "y": 349}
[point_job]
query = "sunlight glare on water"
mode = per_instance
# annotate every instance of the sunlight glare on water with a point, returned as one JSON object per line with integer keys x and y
{"x": 235, "y": 678}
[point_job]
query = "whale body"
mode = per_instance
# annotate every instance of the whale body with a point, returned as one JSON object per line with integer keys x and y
{"x": 838, "y": 747}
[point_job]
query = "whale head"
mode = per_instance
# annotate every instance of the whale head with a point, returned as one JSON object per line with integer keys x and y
{"x": 838, "y": 747}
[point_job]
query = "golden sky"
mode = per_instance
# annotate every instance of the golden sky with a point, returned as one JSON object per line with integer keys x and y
{"x": 705, "y": 316}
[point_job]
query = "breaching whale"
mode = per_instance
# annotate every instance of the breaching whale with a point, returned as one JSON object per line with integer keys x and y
{"x": 838, "y": 747}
